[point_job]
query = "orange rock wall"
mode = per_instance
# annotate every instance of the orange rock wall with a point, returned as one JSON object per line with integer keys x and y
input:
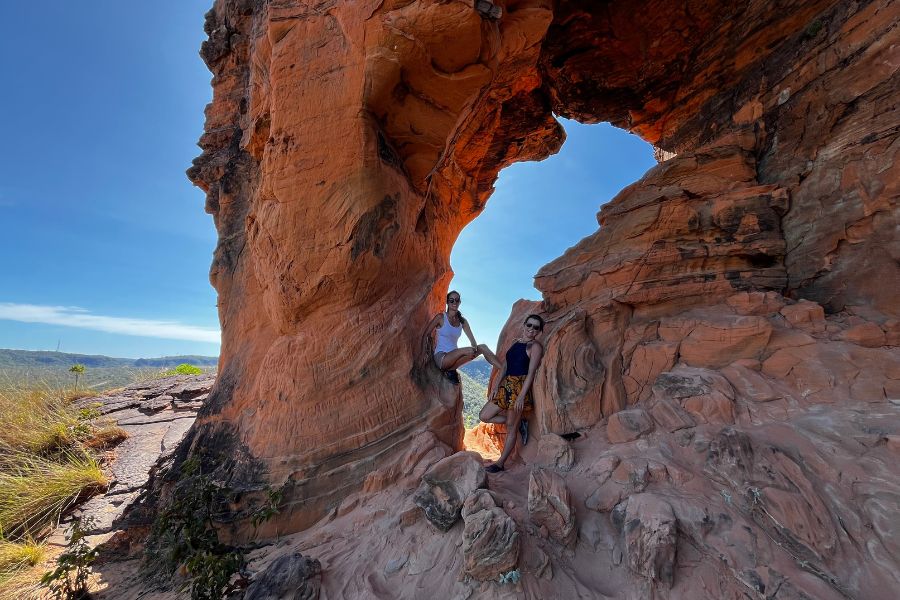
{"x": 348, "y": 143}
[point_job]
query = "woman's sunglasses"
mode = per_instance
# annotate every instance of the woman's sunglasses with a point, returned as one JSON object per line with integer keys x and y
{"x": 453, "y": 300}
{"x": 533, "y": 326}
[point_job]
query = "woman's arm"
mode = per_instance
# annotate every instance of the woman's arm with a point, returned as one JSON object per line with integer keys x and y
{"x": 492, "y": 391}
{"x": 534, "y": 359}
{"x": 469, "y": 335}
{"x": 432, "y": 325}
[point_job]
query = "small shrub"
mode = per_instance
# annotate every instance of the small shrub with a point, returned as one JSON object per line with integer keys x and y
{"x": 185, "y": 369}
{"x": 184, "y": 534}
{"x": 268, "y": 509}
{"x": 69, "y": 580}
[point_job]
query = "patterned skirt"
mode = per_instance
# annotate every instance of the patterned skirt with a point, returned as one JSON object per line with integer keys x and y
{"x": 508, "y": 391}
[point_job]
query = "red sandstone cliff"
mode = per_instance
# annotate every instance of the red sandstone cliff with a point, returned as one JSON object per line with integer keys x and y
{"x": 725, "y": 344}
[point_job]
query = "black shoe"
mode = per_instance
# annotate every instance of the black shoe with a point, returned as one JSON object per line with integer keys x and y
{"x": 453, "y": 376}
{"x": 523, "y": 431}
{"x": 493, "y": 468}
{"x": 488, "y": 9}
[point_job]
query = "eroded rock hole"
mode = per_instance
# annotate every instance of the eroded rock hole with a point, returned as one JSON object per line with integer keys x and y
{"x": 539, "y": 209}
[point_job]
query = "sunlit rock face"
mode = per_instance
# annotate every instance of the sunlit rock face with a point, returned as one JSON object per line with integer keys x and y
{"x": 348, "y": 143}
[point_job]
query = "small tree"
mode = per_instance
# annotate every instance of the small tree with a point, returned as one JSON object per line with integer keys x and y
{"x": 69, "y": 581}
{"x": 78, "y": 369}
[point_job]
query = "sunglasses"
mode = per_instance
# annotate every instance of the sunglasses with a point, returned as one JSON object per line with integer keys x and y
{"x": 533, "y": 326}
{"x": 453, "y": 301}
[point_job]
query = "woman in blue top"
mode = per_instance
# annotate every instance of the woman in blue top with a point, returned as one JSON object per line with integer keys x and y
{"x": 513, "y": 398}
{"x": 450, "y": 325}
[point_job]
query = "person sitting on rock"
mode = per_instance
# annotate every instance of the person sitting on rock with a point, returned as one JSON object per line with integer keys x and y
{"x": 513, "y": 398}
{"x": 449, "y": 326}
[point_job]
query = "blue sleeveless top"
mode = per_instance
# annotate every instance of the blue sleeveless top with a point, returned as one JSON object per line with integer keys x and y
{"x": 517, "y": 359}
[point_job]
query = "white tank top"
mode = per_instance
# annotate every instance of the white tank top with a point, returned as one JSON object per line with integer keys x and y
{"x": 447, "y": 336}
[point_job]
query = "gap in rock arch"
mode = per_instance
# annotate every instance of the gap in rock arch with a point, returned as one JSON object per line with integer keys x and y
{"x": 539, "y": 209}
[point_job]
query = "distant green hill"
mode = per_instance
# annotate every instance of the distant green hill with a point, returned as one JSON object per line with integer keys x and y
{"x": 27, "y": 368}
{"x": 40, "y": 358}
{"x": 479, "y": 370}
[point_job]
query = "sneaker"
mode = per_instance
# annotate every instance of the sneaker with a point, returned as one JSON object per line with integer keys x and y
{"x": 523, "y": 431}
{"x": 453, "y": 376}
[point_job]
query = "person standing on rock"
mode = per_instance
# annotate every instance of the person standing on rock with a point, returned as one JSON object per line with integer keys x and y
{"x": 449, "y": 326}
{"x": 513, "y": 398}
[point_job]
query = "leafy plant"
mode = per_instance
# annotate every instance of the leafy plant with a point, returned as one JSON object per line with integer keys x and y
{"x": 185, "y": 369}
{"x": 268, "y": 509}
{"x": 77, "y": 369}
{"x": 69, "y": 581}
{"x": 184, "y": 534}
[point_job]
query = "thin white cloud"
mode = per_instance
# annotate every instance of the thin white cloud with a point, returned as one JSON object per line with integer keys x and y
{"x": 72, "y": 316}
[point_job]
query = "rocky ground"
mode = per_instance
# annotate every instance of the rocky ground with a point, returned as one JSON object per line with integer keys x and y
{"x": 767, "y": 477}
{"x": 156, "y": 415}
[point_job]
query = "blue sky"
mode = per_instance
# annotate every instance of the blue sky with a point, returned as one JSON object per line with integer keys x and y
{"x": 106, "y": 247}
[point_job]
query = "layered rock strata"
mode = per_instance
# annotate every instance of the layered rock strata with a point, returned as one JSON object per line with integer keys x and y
{"x": 347, "y": 145}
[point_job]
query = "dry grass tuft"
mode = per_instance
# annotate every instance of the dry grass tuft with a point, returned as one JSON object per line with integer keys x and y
{"x": 48, "y": 463}
{"x": 39, "y": 421}
{"x": 35, "y": 491}
{"x": 106, "y": 437}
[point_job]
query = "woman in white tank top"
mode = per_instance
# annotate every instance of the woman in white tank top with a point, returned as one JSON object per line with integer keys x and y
{"x": 449, "y": 326}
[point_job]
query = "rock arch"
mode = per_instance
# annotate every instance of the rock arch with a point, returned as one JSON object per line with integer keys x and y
{"x": 348, "y": 143}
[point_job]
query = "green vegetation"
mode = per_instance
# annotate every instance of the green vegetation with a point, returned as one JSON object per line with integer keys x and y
{"x": 78, "y": 370}
{"x": 184, "y": 534}
{"x": 69, "y": 580}
{"x": 35, "y": 491}
{"x": 474, "y": 397}
{"x": 479, "y": 370}
{"x": 813, "y": 29}
{"x": 24, "y": 368}
{"x": 47, "y": 464}
{"x": 16, "y": 558}
{"x": 38, "y": 422}
{"x": 184, "y": 369}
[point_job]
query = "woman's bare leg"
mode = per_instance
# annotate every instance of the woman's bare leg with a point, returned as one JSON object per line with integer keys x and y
{"x": 491, "y": 413}
{"x": 457, "y": 358}
{"x": 512, "y": 427}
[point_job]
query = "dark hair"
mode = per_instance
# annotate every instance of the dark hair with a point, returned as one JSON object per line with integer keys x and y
{"x": 539, "y": 320}
{"x": 462, "y": 319}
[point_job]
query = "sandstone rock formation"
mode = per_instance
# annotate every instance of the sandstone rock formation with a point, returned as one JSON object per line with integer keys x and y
{"x": 739, "y": 301}
{"x": 490, "y": 538}
{"x": 447, "y": 485}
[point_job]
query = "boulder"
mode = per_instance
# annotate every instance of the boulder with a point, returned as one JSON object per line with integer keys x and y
{"x": 550, "y": 505}
{"x": 805, "y": 315}
{"x": 490, "y": 538}
{"x": 628, "y": 425}
{"x": 446, "y": 485}
{"x": 650, "y": 533}
{"x": 704, "y": 393}
{"x": 866, "y": 334}
{"x": 555, "y": 452}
